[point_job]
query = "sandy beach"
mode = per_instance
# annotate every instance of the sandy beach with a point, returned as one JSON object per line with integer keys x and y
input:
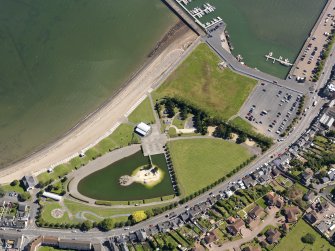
{"x": 175, "y": 47}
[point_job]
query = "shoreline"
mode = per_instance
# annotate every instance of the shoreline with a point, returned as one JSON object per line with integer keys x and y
{"x": 44, "y": 157}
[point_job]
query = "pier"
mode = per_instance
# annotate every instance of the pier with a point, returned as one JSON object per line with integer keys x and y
{"x": 280, "y": 60}
{"x": 197, "y": 13}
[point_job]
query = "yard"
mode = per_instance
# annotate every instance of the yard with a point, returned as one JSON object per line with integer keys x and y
{"x": 142, "y": 113}
{"x": 200, "y": 162}
{"x": 293, "y": 240}
{"x": 200, "y": 82}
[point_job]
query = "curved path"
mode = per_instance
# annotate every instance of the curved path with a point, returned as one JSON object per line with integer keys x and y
{"x": 99, "y": 164}
{"x": 81, "y": 215}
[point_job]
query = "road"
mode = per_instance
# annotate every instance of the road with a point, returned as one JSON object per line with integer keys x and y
{"x": 276, "y": 149}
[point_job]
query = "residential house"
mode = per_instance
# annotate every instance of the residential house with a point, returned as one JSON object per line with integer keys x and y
{"x": 311, "y": 217}
{"x": 272, "y": 236}
{"x": 252, "y": 248}
{"x": 322, "y": 227}
{"x": 74, "y": 244}
{"x": 141, "y": 235}
{"x": 235, "y": 228}
{"x": 309, "y": 196}
{"x": 320, "y": 207}
{"x": 291, "y": 214}
{"x": 255, "y": 212}
{"x": 210, "y": 237}
{"x": 273, "y": 199}
{"x": 248, "y": 181}
{"x": 307, "y": 175}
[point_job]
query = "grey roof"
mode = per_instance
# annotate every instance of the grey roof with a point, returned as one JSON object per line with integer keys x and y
{"x": 322, "y": 227}
{"x": 29, "y": 181}
{"x": 141, "y": 235}
{"x": 12, "y": 237}
{"x": 22, "y": 207}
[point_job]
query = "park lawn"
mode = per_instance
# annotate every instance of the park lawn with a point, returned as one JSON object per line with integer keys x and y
{"x": 142, "y": 113}
{"x": 178, "y": 122}
{"x": 200, "y": 82}
{"x": 76, "y": 207}
{"x": 200, "y": 162}
{"x": 122, "y": 136}
{"x": 243, "y": 125}
{"x": 18, "y": 188}
{"x": 46, "y": 213}
{"x": 293, "y": 239}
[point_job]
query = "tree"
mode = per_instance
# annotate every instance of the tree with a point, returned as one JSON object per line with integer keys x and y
{"x": 2, "y": 192}
{"x": 241, "y": 138}
{"x": 14, "y": 183}
{"x": 86, "y": 225}
{"x": 138, "y": 216}
{"x": 308, "y": 238}
{"x": 24, "y": 196}
{"x": 106, "y": 224}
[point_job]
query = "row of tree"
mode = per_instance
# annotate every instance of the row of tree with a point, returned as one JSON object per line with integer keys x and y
{"x": 201, "y": 121}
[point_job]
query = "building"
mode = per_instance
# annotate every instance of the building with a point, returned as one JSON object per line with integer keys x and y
{"x": 311, "y": 217}
{"x": 29, "y": 182}
{"x": 52, "y": 196}
{"x": 272, "y": 236}
{"x": 309, "y": 196}
{"x": 251, "y": 248}
{"x": 141, "y": 235}
{"x": 273, "y": 199}
{"x": 291, "y": 214}
{"x": 63, "y": 244}
{"x": 307, "y": 175}
{"x": 143, "y": 129}
{"x": 255, "y": 212}
{"x": 235, "y": 228}
{"x": 327, "y": 121}
{"x": 210, "y": 237}
{"x": 11, "y": 241}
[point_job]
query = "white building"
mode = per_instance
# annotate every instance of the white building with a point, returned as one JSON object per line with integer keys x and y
{"x": 327, "y": 120}
{"x": 52, "y": 196}
{"x": 143, "y": 129}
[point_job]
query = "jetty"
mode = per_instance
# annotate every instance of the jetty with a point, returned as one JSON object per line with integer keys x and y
{"x": 198, "y": 12}
{"x": 282, "y": 61}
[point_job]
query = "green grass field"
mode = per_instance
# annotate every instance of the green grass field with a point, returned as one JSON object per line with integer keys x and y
{"x": 242, "y": 125}
{"x": 143, "y": 113}
{"x": 200, "y": 162}
{"x": 49, "y": 248}
{"x": 97, "y": 212}
{"x": 293, "y": 240}
{"x": 122, "y": 136}
{"x": 8, "y": 188}
{"x": 199, "y": 81}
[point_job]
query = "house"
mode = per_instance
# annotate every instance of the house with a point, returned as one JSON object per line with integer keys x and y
{"x": 152, "y": 230}
{"x": 275, "y": 172}
{"x": 291, "y": 214}
{"x": 322, "y": 227}
{"x": 235, "y": 228}
{"x": 248, "y": 181}
{"x": 307, "y": 175}
{"x": 320, "y": 207}
{"x": 251, "y": 248}
{"x": 311, "y": 217}
{"x": 255, "y": 212}
{"x": 309, "y": 196}
{"x": 22, "y": 207}
{"x": 141, "y": 235}
{"x": 272, "y": 236}
{"x": 11, "y": 241}
{"x": 210, "y": 237}
{"x": 164, "y": 227}
{"x": 29, "y": 182}
{"x": 143, "y": 129}
{"x": 74, "y": 244}
{"x": 113, "y": 246}
{"x": 273, "y": 199}
{"x": 124, "y": 247}
{"x": 231, "y": 220}
{"x": 185, "y": 216}
{"x": 285, "y": 227}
